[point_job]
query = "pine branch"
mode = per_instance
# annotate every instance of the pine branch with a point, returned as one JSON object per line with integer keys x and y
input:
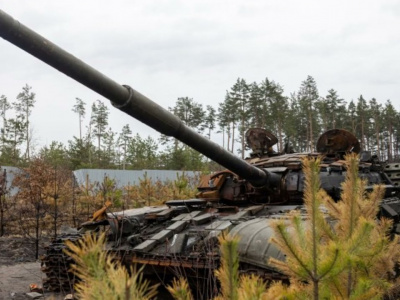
{"x": 180, "y": 289}
{"x": 228, "y": 272}
{"x": 281, "y": 231}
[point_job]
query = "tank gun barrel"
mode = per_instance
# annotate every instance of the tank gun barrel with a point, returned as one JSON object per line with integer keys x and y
{"x": 124, "y": 98}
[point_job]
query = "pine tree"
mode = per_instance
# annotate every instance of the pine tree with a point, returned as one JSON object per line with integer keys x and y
{"x": 23, "y": 107}
{"x": 124, "y": 138}
{"x": 55, "y": 154}
{"x": 297, "y": 127}
{"x": 79, "y": 153}
{"x": 109, "y": 149}
{"x": 80, "y": 109}
{"x": 307, "y": 96}
{"x": 142, "y": 153}
{"x": 104, "y": 278}
{"x": 34, "y": 184}
{"x": 311, "y": 256}
{"x": 331, "y": 110}
{"x": 239, "y": 102}
{"x": 223, "y": 121}
{"x": 276, "y": 108}
{"x": 5, "y": 106}
{"x": 361, "y": 110}
{"x": 99, "y": 119}
{"x": 375, "y": 110}
{"x": 190, "y": 112}
{"x": 371, "y": 254}
{"x": 209, "y": 120}
{"x": 257, "y": 106}
{"x": 349, "y": 257}
{"x": 389, "y": 115}
{"x": 15, "y": 135}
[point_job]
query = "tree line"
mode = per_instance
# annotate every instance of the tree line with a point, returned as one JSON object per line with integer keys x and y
{"x": 36, "y": 201}
{"x": 302, "y": 117}
{"x": 297, "y": 119}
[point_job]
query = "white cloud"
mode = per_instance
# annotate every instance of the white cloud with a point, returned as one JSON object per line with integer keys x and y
{"x": 166, "y": 49}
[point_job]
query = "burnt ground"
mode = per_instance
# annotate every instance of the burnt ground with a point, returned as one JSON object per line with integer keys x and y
{"x": 19, "y": 269}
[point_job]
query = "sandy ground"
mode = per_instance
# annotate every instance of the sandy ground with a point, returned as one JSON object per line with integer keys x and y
{"x": 15, "y": 279}
{"x": 18, "y": 269}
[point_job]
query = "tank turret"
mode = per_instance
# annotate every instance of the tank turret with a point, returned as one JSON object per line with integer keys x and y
{"x": 181, "y": 236}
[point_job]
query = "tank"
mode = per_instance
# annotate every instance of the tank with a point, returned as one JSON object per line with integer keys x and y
{"x": 180, "y": 238}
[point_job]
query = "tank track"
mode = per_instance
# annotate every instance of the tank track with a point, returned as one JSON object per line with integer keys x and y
{"x": 56, "y": 265}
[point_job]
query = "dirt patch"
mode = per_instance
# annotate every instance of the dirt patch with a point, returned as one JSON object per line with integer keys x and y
{"x": 19, "y": 269}
{"x": 14, "y": 250}
{"x": 15, "y": 279}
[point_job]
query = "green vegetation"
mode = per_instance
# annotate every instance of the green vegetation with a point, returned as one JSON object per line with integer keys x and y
{"x": 101, "y": 277}
{"x": 298, "y": 118}
{"x": 344, "y": 253}
{"x": 347, "y": 256}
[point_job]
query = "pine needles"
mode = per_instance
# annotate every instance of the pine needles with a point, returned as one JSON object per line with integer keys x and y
{"x": 103, "y": 278}
{"x": 347, "y": 258}
{"x": 228, "y": 273}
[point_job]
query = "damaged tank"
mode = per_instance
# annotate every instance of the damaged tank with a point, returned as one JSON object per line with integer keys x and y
{"x": 180, "y": 238}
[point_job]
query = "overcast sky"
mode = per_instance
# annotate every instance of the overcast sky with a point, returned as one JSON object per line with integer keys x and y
{"x": 170, "y": 49}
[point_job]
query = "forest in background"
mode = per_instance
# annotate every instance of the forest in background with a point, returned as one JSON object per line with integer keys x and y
{"x": 297, "y": 119}
{"x": 47, "y": 196}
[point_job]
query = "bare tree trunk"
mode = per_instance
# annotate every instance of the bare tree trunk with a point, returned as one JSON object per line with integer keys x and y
{"x": 362, "y": 134}
{"x": 280, "y": 135}
{"x": 390, "y": 151}
{"x": 242, "y": 138}
{"x": 124, "y": 161}
{"x": 55, "y": 215}
{"x": 233, "y": 136}
{"x": 27, "y": 135}
{"x": 311, "y": 130}
{"x": 223, "y": 138}
{"x": 37, "y": 231}
{"x": 229, "y": 139}
{"x": 80, "y": 127}
{"x": 378, "y": 146}
{"x": 3, "y": 189}
{"x": 73, "y": 202}
{"x": 1, "y": 218}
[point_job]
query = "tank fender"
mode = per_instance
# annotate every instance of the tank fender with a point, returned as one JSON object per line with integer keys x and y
{"x": 254, "y": 242}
